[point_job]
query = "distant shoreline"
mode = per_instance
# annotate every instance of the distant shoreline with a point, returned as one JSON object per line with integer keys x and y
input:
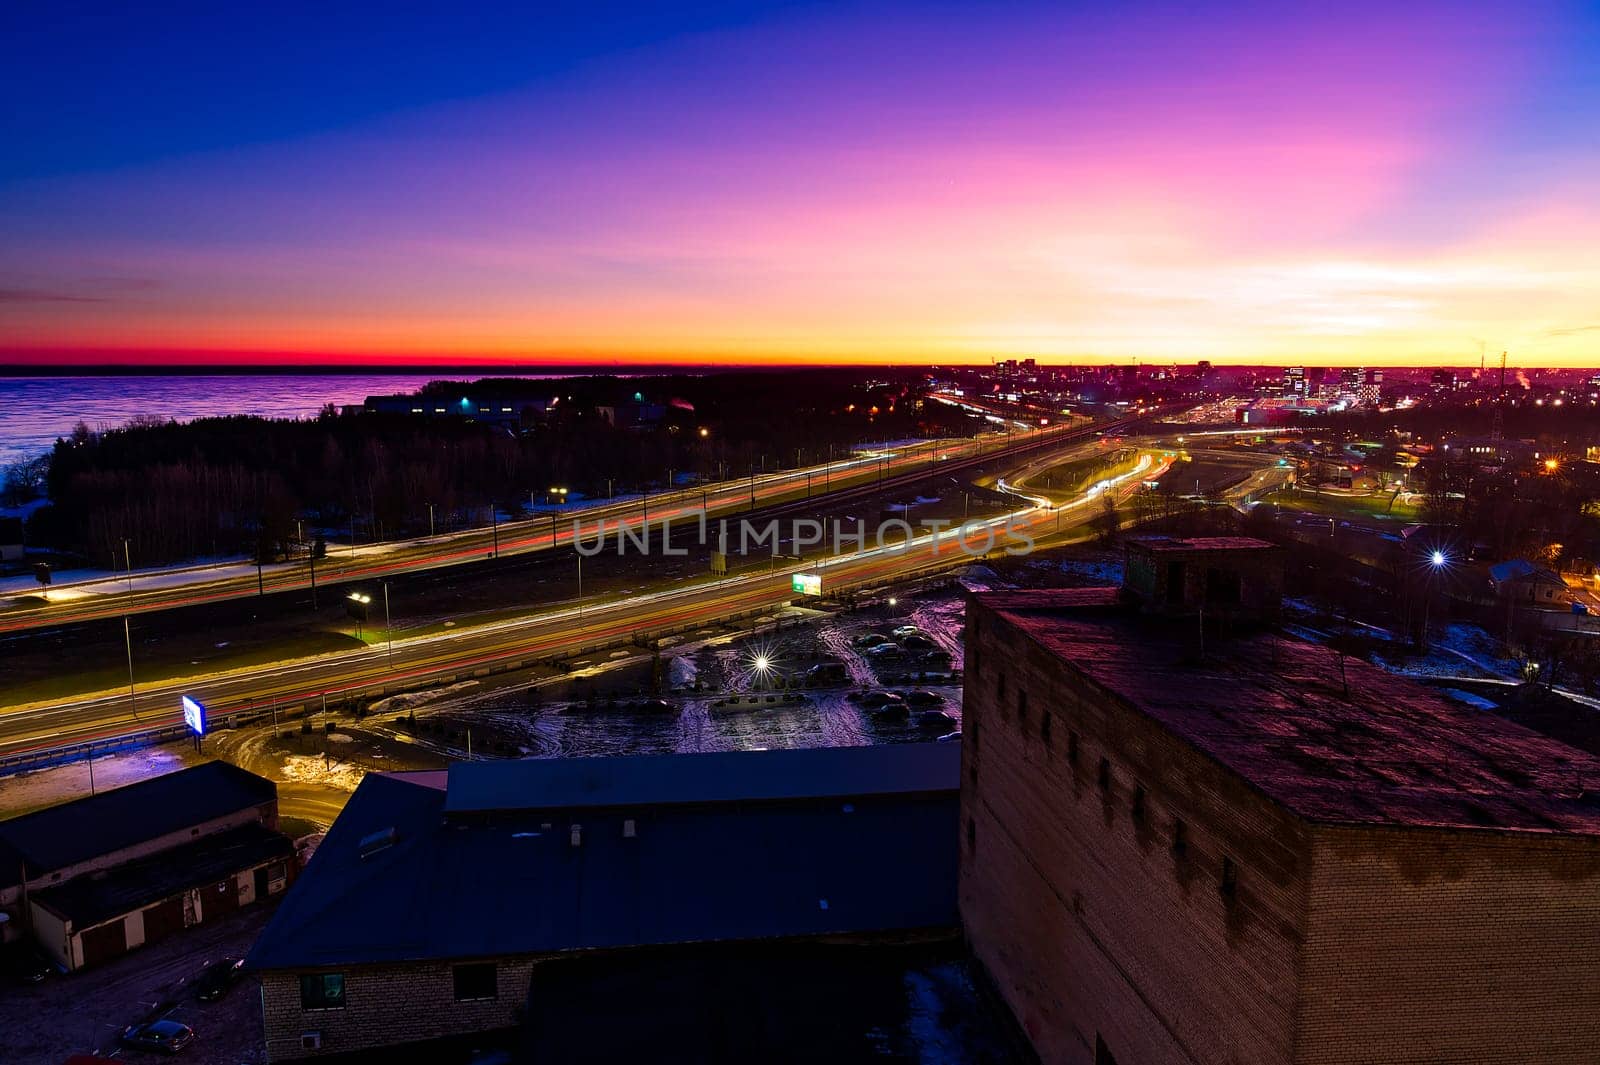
{"x": 346, "y": 370}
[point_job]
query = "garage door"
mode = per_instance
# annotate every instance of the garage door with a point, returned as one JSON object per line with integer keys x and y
{"x": 218, "y": 899}
{"x": 163, "y": 919}
{"x": 107, "y": 941}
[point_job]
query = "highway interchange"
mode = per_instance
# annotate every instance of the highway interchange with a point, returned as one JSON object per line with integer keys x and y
{"x": 551, "y": 633}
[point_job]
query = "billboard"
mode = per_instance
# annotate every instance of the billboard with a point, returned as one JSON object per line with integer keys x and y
{"x": 194, "y": 715}
{"x": 806, "y": 583}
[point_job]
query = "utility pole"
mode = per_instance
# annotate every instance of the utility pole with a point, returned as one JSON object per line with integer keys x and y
{"x": 494, "y": 526}
{"x": 388, "y": 623}
{"x": 430, "y": 519}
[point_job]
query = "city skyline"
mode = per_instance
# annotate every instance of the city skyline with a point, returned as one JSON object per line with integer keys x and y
{"x": 728, "y": 185}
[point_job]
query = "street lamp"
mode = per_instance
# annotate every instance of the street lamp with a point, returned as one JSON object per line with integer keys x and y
{"x": 356, "y": 604}
{"x": 1437, "y": 561}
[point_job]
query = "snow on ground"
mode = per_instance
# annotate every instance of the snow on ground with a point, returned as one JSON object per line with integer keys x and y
{"x": 38, "y": 788}
{"x": 1098, "y": 571}
{"x": 1470, "y": 699}
{"x": 407, "y": 700}
{"x": 315, "y": 769}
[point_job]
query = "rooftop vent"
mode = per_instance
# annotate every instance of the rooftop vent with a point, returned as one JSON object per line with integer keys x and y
{"x": 375, "y": 842}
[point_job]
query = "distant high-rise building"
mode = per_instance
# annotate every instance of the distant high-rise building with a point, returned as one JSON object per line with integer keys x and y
{"x": 1294, "y": 381}
{"x": 1372, "y": 388}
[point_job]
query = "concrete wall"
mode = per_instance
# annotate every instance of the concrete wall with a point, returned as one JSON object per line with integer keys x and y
{"x": 1086, "y": 920}
{"x": 1452, "y": 946}
{"x": 388, "y": 1005}
{"x": 50, "y": 932}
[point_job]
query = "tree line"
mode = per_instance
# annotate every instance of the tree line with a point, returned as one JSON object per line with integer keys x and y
{"x": 156, "y": 492}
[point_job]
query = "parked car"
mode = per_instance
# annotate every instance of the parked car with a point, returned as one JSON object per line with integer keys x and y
{"x": 883, "y": 652}
{"x": 828, "y": 673}
{"x": 216, "y": 979}
{"x": 25, "y": 964}
{"x": 916, "y": 642}
{"x": 940, "y": 721}
{"x": 655, "y": 706}
{"x": 924, "y": 698}
{"x": 869, "y": 639}
{"x": 162, "y": 1037}
{"x": 877, "y": 698}
{"x": 903, "y": 631}
{"x": 893, "y": 710}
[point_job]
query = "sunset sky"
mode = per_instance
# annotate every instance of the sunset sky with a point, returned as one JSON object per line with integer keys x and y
{"x": 881, "y": 182}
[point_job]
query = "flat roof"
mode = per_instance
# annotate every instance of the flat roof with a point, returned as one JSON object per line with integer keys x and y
{"x": 1272, "y": 709}
{"x": 428, "y": 887}
{"x": 95, "y": 897}
{"x": 113, "y": 820}
{"x": 693, "y": 779}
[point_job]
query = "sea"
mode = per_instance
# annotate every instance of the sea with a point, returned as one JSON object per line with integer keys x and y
{"x": 34, "y": 411}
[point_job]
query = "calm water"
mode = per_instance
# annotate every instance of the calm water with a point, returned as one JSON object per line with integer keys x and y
{"x": 36, "y": 410}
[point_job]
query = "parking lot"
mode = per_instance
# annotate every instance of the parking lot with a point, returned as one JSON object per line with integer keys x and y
{"x": 85, "y": 1012}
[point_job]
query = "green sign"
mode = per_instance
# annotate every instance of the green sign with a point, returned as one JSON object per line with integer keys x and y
{"x": 806, "y": 583}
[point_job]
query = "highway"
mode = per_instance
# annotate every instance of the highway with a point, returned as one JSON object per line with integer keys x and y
{"x": 110, "y": 596}
{"x": 443, "y": 658}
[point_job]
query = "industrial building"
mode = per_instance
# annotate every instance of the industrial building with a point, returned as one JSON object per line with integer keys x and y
{"x": 435, "y": 899}
{"x": 99, "y": 876}
{"x": 1191, "y": 839}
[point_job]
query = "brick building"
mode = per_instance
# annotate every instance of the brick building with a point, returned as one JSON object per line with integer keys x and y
{"x": 99, "y": 876}
{"x": 1187, "y": 843}
{"x": 434, "y": 898}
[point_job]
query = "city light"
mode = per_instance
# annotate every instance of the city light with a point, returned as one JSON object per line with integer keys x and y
{"x": 1438, "y": 558}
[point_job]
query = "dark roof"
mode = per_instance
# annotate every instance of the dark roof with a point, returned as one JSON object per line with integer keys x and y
{"x": 1272, "y": 709}
{"x": 110, "y": 821}
{"x": 95, "y": 897}
{"x": 1517, "y": 569}
{"x": 689, "y": 779}
{"x": 722, "y": 870}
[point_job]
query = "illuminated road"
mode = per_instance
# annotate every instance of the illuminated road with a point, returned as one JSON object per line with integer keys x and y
{"x": 508, "y": 645}
{"x": 111, "y": 597}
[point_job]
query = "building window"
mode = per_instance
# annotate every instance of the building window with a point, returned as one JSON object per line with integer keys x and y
{"x": 1000, "y": 687}
{"x": 322, "y": 991}
{"x": 1138, "y": 804}
{"x": 1102, "y": 1053}
{"x": 1022, "y": 708}
{"x": 1072, "y": 747}
{"x": 1044, "y": 728}
{"x": 972, "y": 836}
{"x": 1180, "y": 839}
{"x": 1230, "y": 879}
{"x": 1105, "y": 776}
{"x": 475, "y": 982}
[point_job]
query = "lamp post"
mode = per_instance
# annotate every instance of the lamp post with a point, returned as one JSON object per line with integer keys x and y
{"x": 1437, "y": 561}
{"x": 388, "y": 624}
{"x": 127, "y": 631}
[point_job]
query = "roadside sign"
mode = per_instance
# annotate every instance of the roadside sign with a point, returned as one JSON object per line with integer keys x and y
{"x": 806, "y": 583}
{"x": 194, "y": 715}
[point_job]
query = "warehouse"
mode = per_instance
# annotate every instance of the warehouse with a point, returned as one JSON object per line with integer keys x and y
{"x": 1191, "y": 842}
{"x": 431, "y": 902}
{"x": 97, "y": 876}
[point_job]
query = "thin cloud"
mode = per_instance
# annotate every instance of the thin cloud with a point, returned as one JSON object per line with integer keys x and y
{"x": 42, "y": 295}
